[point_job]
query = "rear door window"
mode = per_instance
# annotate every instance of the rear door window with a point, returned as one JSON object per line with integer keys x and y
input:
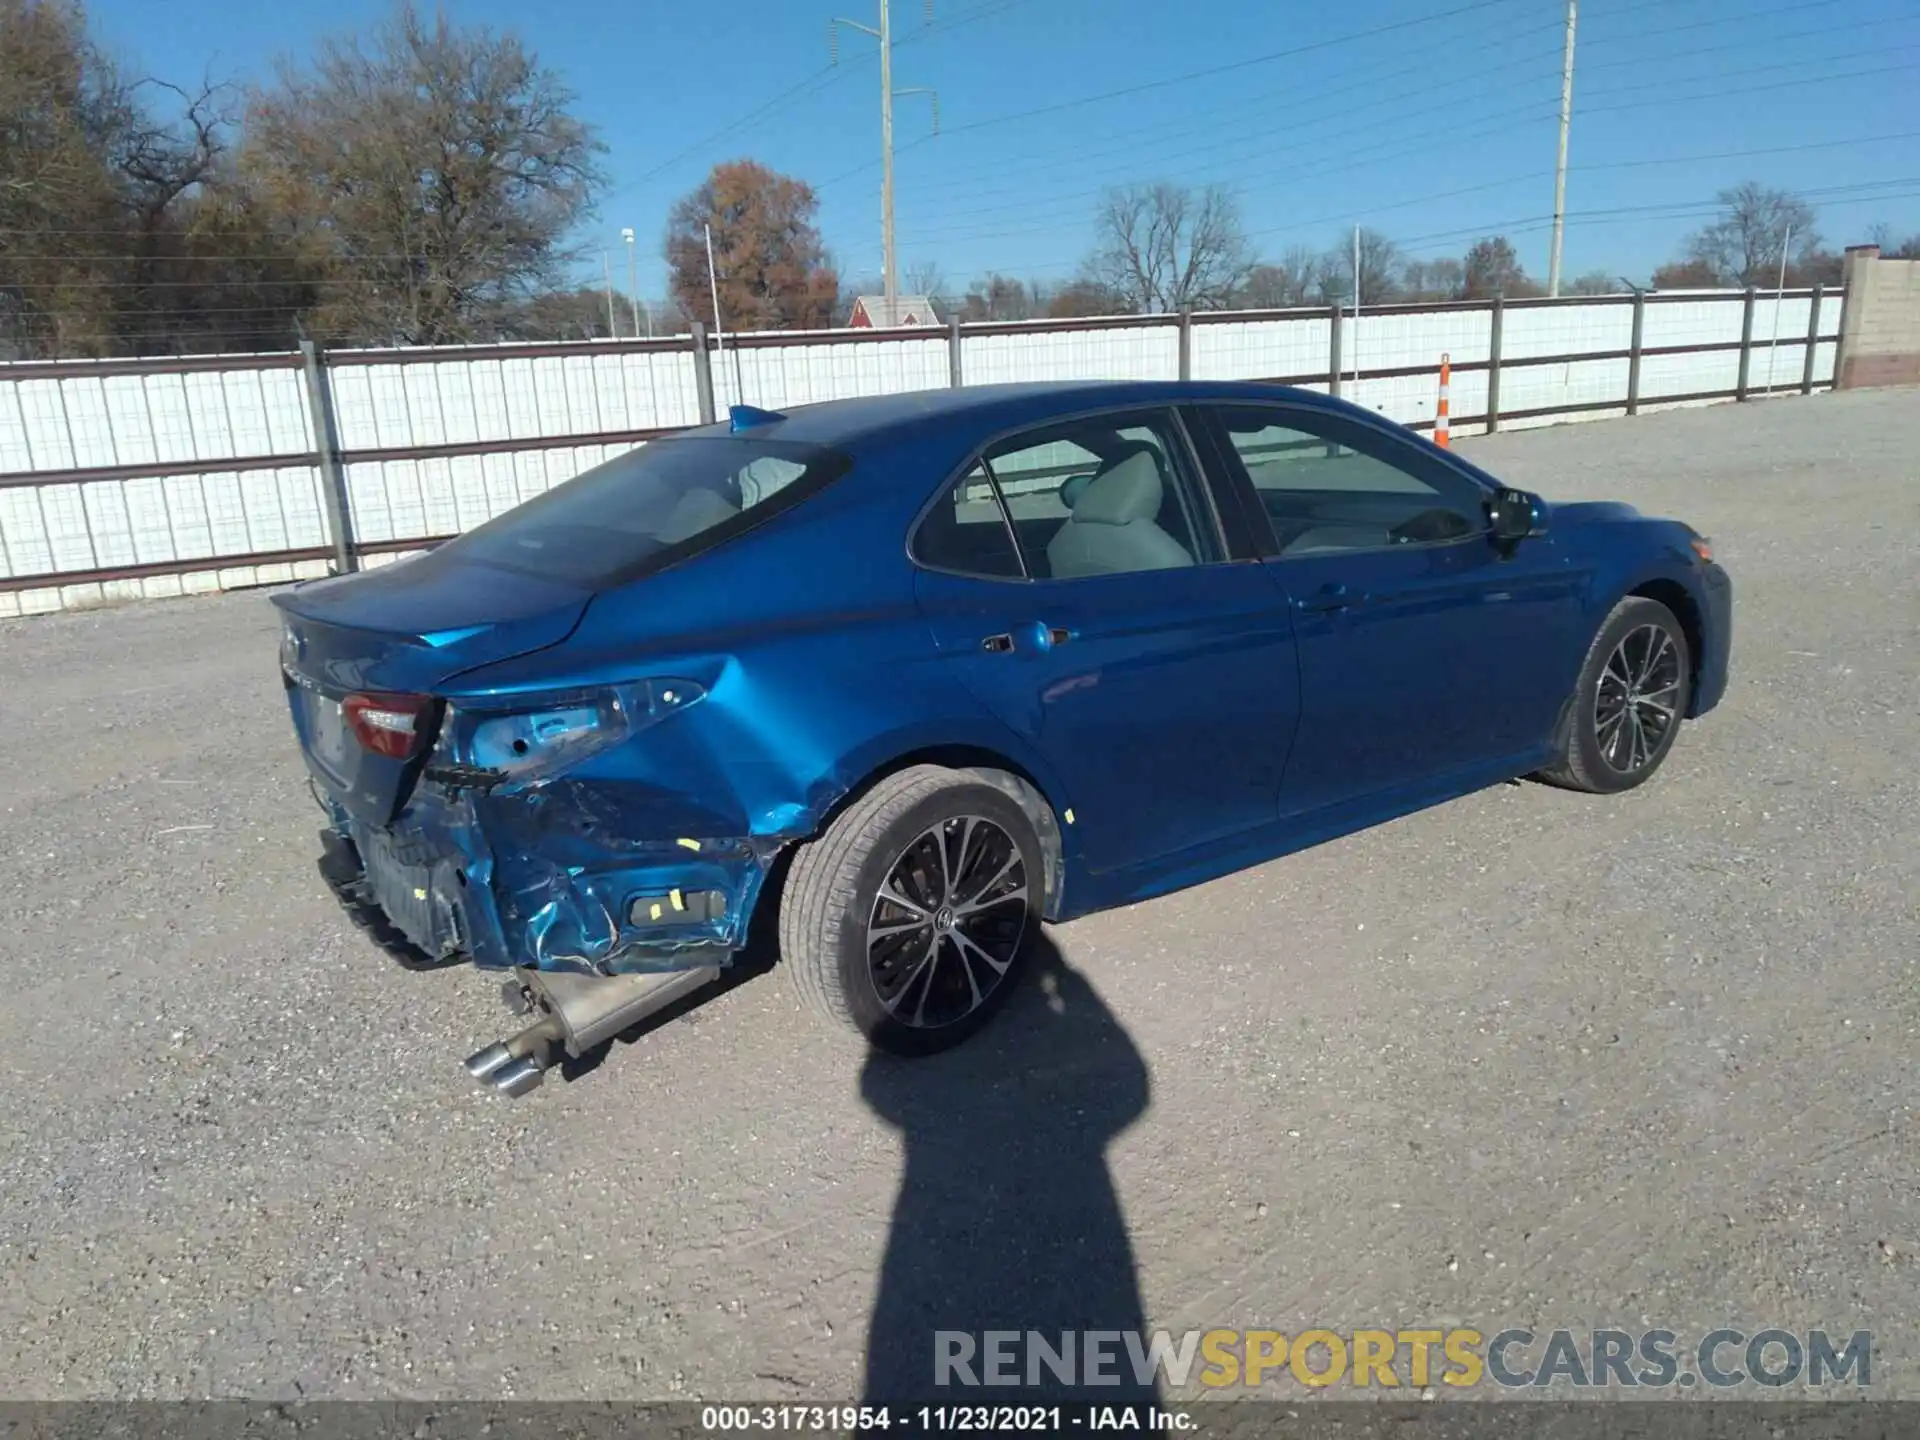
{"x": 1102, "y": 495}
{"x": 966, "y": 532}
{"x": 664, "y": 501}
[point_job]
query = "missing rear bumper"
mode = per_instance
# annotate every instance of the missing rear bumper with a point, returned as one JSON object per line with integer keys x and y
{"x": 431, "y": 895}
{"x": 346, "y": 876}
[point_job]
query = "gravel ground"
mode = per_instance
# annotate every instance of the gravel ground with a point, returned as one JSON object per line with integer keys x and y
{"x": 1532, "y": 1058}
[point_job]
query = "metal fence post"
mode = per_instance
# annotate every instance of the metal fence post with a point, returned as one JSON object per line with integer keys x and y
{"x": 1746, "y": 345}
{"x": 1333, "y": 351}
{"x": 1186, "y": 343}
{"x": 702, "y": 372}
{"x": 1493, "y": 362}
{"x": 1633, "y": 351}
{"x": 1813, "y": 340}
{"x": 326, "y": 456}
{"x": 953, "y": 352}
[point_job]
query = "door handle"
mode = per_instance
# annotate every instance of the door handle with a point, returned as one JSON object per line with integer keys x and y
{"x": 1331, "y": 597}
{"x": 997, "y": 644}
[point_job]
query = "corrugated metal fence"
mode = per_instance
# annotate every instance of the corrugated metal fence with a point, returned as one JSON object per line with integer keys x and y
{"x": 122, "y": 479}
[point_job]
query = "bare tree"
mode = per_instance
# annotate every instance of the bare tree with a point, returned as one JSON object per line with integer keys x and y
{"x": 1442, "y": 279}
{"x": 1893, "y": 247}
{"x": 1301, "y": 262}
{"x": 1744, "y": 246}
{"x": 1379, "y": 276}
{"x": 924, "y": 279}
{"x": 1085, "y": 296}
{"x": 1284, "y": 284}
{"x": 576, "y": 314}
{"x": 432, "y": 174}
{"x": 1492, "y": 268}
{"x": 1594, "y": 282}
{"x": 123, "y": 227}
{"x": 1166, "y": 247}
{"x": 61, "y": 108}
{"x": 1686, "y": 275}
{"x": 998, "y": 297}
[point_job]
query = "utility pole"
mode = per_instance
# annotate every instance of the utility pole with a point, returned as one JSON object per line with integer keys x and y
{"x": 606, "y": 265}
{"x": 633, "y": 284}
{"x": 719, "y": 327}
{"x": 890, "y": 269}
{"x": 1560, "y": 169}
{"x": 1779, "y": 294}
{"x": 1356, "y": 311}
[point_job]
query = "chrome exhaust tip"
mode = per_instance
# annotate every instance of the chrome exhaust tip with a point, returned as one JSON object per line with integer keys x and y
{"x": 484, "y": 1063}
{"x": 577, "y": 1012}
{"x": 518, "y": 1078}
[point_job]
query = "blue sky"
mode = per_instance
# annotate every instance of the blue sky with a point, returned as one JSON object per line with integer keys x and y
{"x": 1431, "y": 120}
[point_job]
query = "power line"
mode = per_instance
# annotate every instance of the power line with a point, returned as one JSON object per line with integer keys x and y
{"x": 1667, "y": 209}
{"x": 1797, "y": 6}
{"x": 1756, "y": 70}
{"x": 1748, "y": 89}
{"x": 1454, "y": 138}
{"x": 1201, "y": 74}
{"x": 1850, "y": 142}
{"x": 820, "y": 80}
{"x": 1211, "y": 123}
{"x": 1315, "y": 101}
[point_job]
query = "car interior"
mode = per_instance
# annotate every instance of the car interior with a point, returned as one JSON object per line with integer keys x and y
{"x": 1321, "y": 496}
{"x": 1101, "y": 498}
{"x": 1098, "y": 500}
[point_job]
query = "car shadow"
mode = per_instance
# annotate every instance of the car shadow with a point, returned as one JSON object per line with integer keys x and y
{"x": 1007, "y": 1217}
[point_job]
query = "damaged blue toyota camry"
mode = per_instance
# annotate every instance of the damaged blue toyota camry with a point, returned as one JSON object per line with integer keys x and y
{"x": 950, "y": 664}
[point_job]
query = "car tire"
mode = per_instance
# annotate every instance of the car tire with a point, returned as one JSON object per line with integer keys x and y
{"x": 1628, "y": 704}
{"x": 921, "y": 968}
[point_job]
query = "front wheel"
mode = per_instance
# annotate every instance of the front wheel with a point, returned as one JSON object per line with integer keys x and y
{"x": 910, "y": 916}
{"x": 1627, "y": 705}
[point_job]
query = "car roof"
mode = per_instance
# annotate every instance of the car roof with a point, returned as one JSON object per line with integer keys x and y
{"x": 988, "y": 408}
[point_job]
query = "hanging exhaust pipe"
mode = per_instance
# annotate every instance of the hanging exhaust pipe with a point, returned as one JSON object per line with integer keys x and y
{"x": 576, "y": 1013}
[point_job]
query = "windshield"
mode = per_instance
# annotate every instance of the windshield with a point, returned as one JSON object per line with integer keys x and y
{"x": 669, "y": 498}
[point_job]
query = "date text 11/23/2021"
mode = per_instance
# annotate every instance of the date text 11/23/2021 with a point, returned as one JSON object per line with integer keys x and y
{"x": 937, "y": 1419}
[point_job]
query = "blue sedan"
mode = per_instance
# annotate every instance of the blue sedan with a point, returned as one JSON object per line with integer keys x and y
{"x": 925, "y": 670}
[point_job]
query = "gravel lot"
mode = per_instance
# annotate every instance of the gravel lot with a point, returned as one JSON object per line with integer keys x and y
{"x": 1532, "y": 1058}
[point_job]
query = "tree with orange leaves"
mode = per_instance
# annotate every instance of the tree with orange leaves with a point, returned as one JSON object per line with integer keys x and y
{"x": 773, "y": 269}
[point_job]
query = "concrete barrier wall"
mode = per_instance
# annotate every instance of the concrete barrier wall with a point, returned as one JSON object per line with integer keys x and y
{"x": 1880, "y": 328}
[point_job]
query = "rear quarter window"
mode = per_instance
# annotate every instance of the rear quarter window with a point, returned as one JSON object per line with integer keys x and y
{"x": 663, "y": 502}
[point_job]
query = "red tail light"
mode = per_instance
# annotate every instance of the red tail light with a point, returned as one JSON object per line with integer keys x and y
{"x": 390, "y": 725}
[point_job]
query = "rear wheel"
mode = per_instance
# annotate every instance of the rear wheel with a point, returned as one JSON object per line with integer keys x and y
{"x": 910, "y": 917}
{"x": 1627, "y": 705}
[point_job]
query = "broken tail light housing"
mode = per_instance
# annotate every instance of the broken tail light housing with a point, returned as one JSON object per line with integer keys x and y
{"x": 388, "y": 724}
{"x": 529, "y": 738}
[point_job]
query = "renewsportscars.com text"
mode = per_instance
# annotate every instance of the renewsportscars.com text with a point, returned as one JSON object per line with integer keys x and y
{"x": 1416, "y": 1358}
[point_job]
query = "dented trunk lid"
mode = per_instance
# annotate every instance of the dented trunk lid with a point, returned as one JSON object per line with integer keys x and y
{"x": 406, "y": 628}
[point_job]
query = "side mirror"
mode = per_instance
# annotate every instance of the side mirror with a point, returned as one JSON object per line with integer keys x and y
{"x": 1513, "y": 516}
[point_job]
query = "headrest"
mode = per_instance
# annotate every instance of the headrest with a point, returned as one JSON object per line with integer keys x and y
{"x": 699, "y": 509}
{"x": 1124, "y": 492}
{"x": 1073, "y": 487}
